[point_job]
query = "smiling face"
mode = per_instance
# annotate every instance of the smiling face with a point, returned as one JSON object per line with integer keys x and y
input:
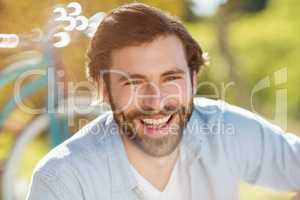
{"x": 150, "y": 91}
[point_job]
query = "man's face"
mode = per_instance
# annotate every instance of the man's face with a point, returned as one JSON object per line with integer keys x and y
{"x": 150, "y": 92}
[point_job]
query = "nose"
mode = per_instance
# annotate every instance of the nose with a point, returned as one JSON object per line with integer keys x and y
{"x": 151, "y": 99}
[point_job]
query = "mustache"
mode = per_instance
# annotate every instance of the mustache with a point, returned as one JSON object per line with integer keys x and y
{"x": 167, "y": 110}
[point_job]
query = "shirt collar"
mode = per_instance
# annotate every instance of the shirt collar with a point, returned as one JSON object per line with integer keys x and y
{"x": 122, "y": 177}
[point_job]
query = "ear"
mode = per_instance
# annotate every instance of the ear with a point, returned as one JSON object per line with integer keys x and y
{"x": 103, "y": 91}
{"x": 195, "y": 82}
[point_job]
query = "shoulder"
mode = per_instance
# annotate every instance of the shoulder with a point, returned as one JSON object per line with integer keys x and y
{"x": 222, "y": 119}
{"x": 219, "y": 109}
{"x": 217, "y": 117}
{"x": 207, "y": 111}
{"x": 86, "y": 147}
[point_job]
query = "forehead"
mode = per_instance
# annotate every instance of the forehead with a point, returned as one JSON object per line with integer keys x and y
{"x": 163, "y": 53}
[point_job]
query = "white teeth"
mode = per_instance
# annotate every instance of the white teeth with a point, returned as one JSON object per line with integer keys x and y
{"x": 156, "y": 122}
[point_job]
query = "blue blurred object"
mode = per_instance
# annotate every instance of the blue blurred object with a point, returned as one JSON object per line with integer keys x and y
{"x": 58, "y": 132}
{"x": 253, "y": 5}
{"x": 206, "y": 8}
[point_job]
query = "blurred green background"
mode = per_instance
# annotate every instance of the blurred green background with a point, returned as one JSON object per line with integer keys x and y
{"x": 245, "y": 44}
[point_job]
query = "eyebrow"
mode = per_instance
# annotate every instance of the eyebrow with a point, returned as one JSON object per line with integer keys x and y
{"x": 140, "y": 76}
{"x": 172, "y": 72}
{"x": 131, "y": 76}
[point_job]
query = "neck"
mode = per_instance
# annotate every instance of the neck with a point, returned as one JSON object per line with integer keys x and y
{"x": 157, "y": 170}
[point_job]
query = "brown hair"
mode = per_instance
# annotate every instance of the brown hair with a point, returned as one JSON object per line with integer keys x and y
{"x": 134, "y": 24}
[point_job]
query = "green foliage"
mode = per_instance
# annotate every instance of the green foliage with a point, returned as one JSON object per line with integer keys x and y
{"x": 262, "y": 44}
{"x": 266, "y": 42}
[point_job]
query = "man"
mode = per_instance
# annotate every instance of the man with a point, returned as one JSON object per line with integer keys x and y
{"x": 159, "y": 142}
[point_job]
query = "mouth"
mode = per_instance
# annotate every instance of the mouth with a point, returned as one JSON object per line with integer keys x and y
{"x": 157, "y": 125}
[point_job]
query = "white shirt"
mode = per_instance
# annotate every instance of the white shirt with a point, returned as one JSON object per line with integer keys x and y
{"x": 176, "y": 189}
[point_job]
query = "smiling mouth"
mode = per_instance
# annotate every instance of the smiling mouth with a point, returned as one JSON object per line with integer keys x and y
{"x": 158, "y": 123}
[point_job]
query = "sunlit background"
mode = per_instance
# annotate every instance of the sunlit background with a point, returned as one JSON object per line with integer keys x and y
{"x": 253, "y": 45}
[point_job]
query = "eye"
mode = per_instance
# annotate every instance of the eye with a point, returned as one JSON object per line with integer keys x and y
{"x": 133, "y": 82}
{"x": 172, "y": 78}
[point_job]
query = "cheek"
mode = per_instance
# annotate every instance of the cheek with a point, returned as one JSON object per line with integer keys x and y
{"x": 122, "y": 97}
{"x": 181, "y": 91}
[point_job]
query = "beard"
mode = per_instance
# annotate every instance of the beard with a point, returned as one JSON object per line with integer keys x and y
{"x": 160, "y": 146}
